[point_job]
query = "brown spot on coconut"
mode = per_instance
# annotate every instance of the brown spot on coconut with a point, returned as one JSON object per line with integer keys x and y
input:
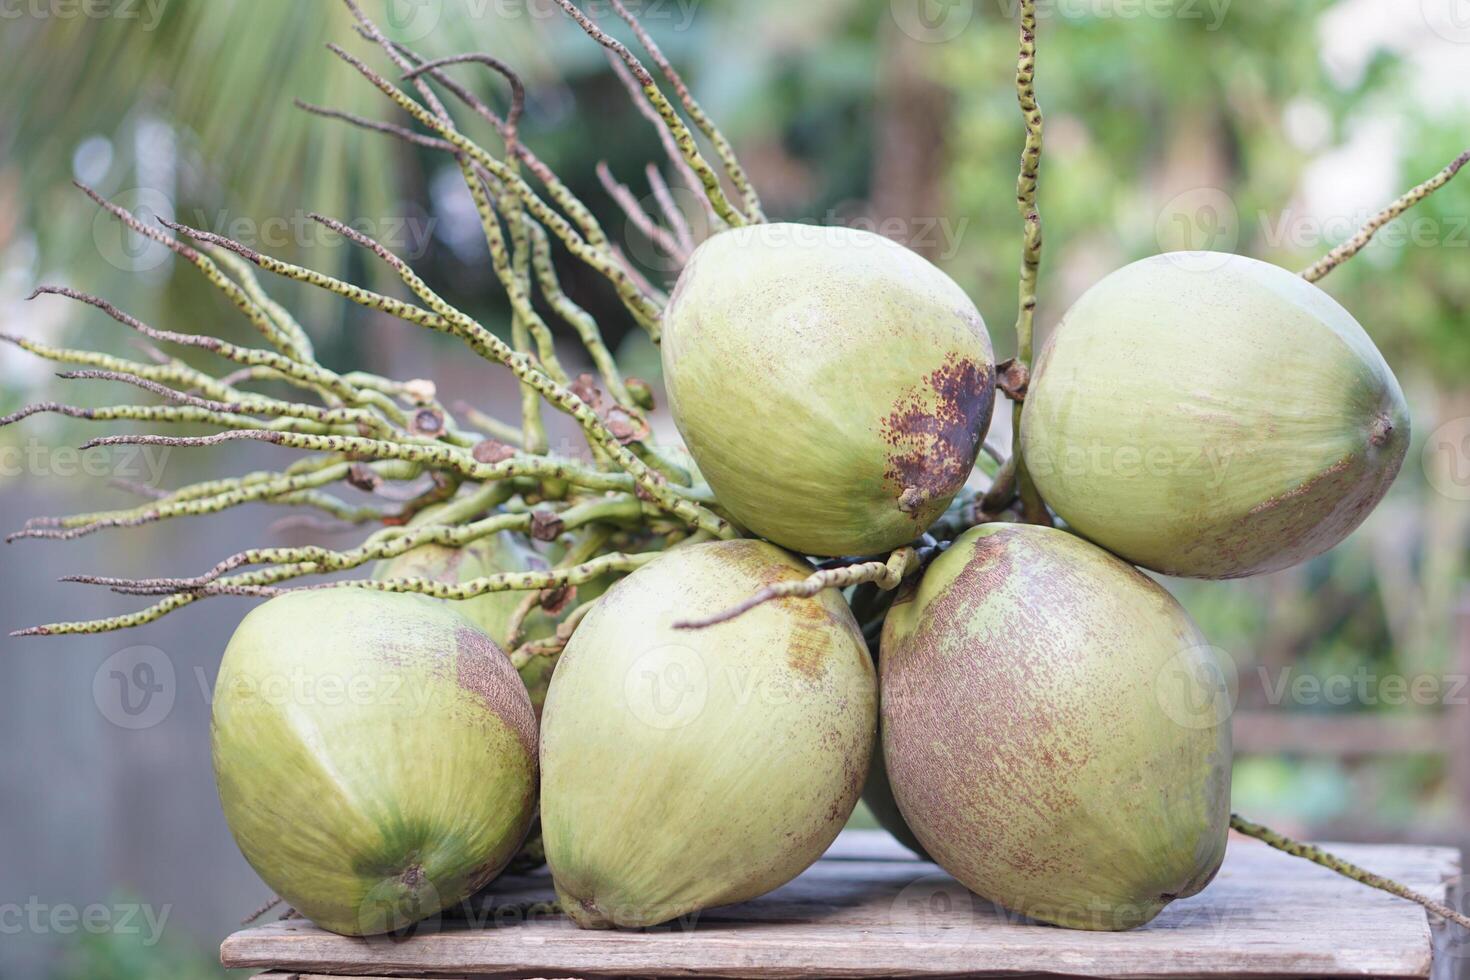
{"x": 833, "y": 386}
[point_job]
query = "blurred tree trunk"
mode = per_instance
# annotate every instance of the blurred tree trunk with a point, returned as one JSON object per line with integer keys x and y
{"x": 912, "y": 121}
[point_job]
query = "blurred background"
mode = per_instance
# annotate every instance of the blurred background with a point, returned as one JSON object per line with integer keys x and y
{"x": 1270, "y": 127}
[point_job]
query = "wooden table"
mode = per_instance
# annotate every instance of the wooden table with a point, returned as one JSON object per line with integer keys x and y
{"x": 868, "y": 909}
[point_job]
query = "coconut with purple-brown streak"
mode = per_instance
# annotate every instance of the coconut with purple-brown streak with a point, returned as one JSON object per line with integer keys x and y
{"x": 833, "y": 386}
{"x": 1056, "y": 729}
{"x": 375, "y": 755}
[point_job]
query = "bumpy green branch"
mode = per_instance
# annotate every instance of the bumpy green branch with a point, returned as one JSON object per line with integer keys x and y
{"x": 650, "y": 481}
{"x": 609, "y": 564}
{"x": 284, "y": 341}
{"x": 386, "y": 544}
{"x": 1359, "y": 241}
{"x": 424, "y": 453}
{"x": 552, "y": 645}
{"x": 1346, "y": 868}
{"x": 391, "y": 438}
{"x": 212, "y": 504}
{"x": 310, "y": 376}
{"x": 1013, "y": 477}
{"x": 885, "y": 575}
{"x": 683, "y": 138}
{"x": 706, "y": 125}
{"x": 644, "y": 310}
{"x": 253, "y": 405}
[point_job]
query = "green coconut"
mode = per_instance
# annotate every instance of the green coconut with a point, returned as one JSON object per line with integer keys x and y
{"x": 375, "y": 755}
{"x": 1056, "y": 729}
{"x": 491, "y": 611}
{"x": 1212, "y": 416}
{"x": 833, "y": 386}
{"x": 684, "y": 769}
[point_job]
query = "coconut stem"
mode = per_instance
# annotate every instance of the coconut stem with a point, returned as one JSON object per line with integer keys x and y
{"x": 391, "y": 438}
{"x": 680, "y": 132}
{"x": 885, "y": 574}
{"x": 1359, "y": 241}
{"x": 1346, "y": 868}
{"x": 706, "y": 125}
{"x": 1013, "y": 477}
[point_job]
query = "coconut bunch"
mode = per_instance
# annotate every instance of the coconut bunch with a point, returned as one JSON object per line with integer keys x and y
{"x": 676, "y": 679}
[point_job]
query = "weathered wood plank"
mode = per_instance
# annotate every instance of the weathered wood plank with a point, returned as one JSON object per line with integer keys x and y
{"x": 867, "y": 910}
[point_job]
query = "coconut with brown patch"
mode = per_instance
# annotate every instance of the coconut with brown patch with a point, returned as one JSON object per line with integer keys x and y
{"x": 683, "y": 769}
{"x": 833, "y": 386}
{"x": 1212, "y": 416}
{"x": 375, "y": 755}
{"x": 492, "y": 612}
{"x": 1055, "y": 729}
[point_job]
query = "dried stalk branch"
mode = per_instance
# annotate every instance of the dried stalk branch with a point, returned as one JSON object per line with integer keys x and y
{"x": 885, "y": 574}
{"x": 1359, "y": 241}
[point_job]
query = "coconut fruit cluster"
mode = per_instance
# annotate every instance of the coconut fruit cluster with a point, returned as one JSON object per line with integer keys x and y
{"x": 671, "y": 672}
{"x": 1051, "y": 723}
